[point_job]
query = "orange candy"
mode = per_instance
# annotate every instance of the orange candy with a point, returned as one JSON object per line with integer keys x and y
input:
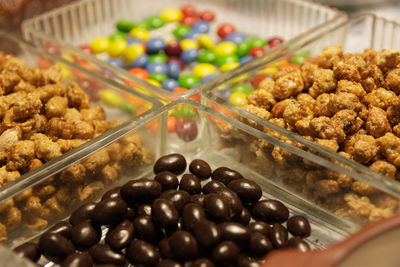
{"x": 171, "y": 124}
{"x": 178, "y": 90}
{"x": 140, "y": 73}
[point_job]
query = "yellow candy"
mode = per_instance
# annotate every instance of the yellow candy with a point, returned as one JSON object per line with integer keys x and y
{"x": 117, "y": 47}
{"x": 206, "y": 41}
{"x": 278, "y": 63}
{"x": 171, "y": 15}
{"x": 187, "y": 44}
{"x": 225, "y": 49}
{"x": 229, "y": 66}
{"x": 154, "y": 82}
{"x": 269, "y": 70}
{"x": 67, "y": 57}
{"x": 238, "y": 98}
{"x": 204, "y": 69}
{"x": 240, "y": 78}
{"x": 132, "y": 52}
{"x": 110, "y": 98}
{"x": 140, "y": 33}
{"x": 65, "y": 71}
{"x": 99, "y": 44}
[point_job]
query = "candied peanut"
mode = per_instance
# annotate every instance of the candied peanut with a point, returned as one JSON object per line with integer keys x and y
{"x": 326, "y": 128}
{"x": 346, "y": 71}
{"x": 6, "y": 205}
{"x": 113, "y": 151}
{"x": 12, "y": 218}
{"x": 94, "y": 113}
{"x": 372, "y": 78}
{"x": 377, "y": 124}
{"x": 83, "y": 130}
{"x": 33, "y": 206}
{"x": 45, "y": 148}
{"x": 13, "y": 64}
{"x": 20, "y": 155}
{"x": 56, "y": 106}
{"x": 363, "y": 188}
{"x": 40, "y": 123}
{"x": 303, "y": 127}
{"x": 55, "y": 207}
{"x": 264, "y": 114}
{"x": 356, "y": 60}
{"x": 350, "y": 87}
{"x": 67, "y": 145}
{"x": 24, "y": 195}
{"x": 326, "y": 187}
{"x": 381, "y": 98}
{"x": 290, "y": 84}
{"x": 37, "y": 223}
{"x": 393, "y": 80}
{"x": 44, "y": 191}
{"x": 390, "y": 147}
{"x": 74, "y": 174}
{"x": 77, "y": 98}
{"x": 109, "y": 174}
{"x": 295, "y": 111}
{"x": 322, "y": 105}
{"x": 90, "y": 191}
{"x": 278, "y": 109}
{"x": 331, "y": 144}
{"x": 330, "y": 56}
{"x": 369, "y": 56}
{"x": 7, "y": 176}
{"x": 97, "y": 161}
{"x": 384, "y": 167}
{"x": 342, "y": 101}
{"x": 323, "y": 82}
{"x": 34, "y": 164}
{"x": 348, "y": 120}
{"x": 261, "y": 98}
{"x": 387, "y": 59}
{"x": 266, "y": 85}
{"x": 363, "y": 148}
{"x": 64, "y": 195}
{"x": 3, "y": 233}
{"x": 72, "y": 114}
{"x": 26, "y": 107}
{"x": 307, "y": 72}
{"x": 393, "y": 115}
{"x": 47, "y": 91}
{"x": 8, "y": 80}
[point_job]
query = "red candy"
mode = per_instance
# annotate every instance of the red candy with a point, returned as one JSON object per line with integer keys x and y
{"x": 188, "y": 20}
{"x": 173, "y": 49}
{"x": 274, "y": 42}
{"x": 207, "y": 15}
{"x": 140, "y": 73}
{"x": 225, "y": 29}
{"x": 257, "y": 51}
{"x": 188, "y": 10}
{"x": 178, "y": 60}
{"x": 86, "y": 48}
{"x": 52, "y": 48}
{"x": 255, "y": 81}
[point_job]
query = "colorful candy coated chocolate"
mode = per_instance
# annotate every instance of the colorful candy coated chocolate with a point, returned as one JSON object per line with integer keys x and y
{"x": 109, "y": 98}
{"x": 257, "y": 51}
{"x": 187, "y": 44}
{"x": 158, "y": 58}
{"x": 188, "y": 81}
{"x": 154, "y": 45}
{"x": 125, "y": 25}
{"x": 205, "y": 41}
{"x": 159, "y": 67}
{"x": 242, "y": 87}
{"x": 226, "y": 59}
{"x": 127, "y": 107}
{"x": 99, "y": 45}
{"x": 181, "y": 31}
{"x": 140, "y": 33}
{"x": 173, "y": 49}
{"x": 154, "y": 82}
{"x": 133, "y": 51}
{"x": 170, "y": 84}
{"x": 257, "y": 42}
{"x": 188, "y": 10}
{"x": 189, "y": 56}
{"x": 188, "y": 20}
{"x": 207, "y": 56}
{"x": 140, "y": 73}
{"x": 201, "y": 26}
{"x": 229, "y": 66}
{"x": 243, "y": 49}
{"x": 117, "y": 35}
{"x": 235, "y": 38}
{"x": 117, "y": 47}
{"x": 155, "y": 22}
{"x": 204, "y": 69}
{"x": 225, "y": 29}
{"x": 238, "y": 98}
{"x": 171, "y": 15}
{"x": 207, "y": 15}
{"x": 274, "y": 42}
{"x": 159, "y": 77}
{"x": 173, "y": 70}
{"x": 140, "y": 61}
{"x": 225, "y": 48}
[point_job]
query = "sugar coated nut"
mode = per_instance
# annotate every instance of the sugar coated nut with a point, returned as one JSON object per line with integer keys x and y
{"x": 174, "y": 163}
{"x": 238, "y": 98}
{"x": 100, "y": 45}
{"x": 140, "y": 33}
{"x": 225, "y": 48}
{"x": 204, "y": 69}
{"x": 171, "y": 15}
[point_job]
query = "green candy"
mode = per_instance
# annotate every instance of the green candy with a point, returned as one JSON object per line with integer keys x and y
{"x": 226, "y": 59}
{"x": 242, "y": 87}
{"x": 141, "y": 24}
{"x": 181, "y": 31}
{"x": 185, "y": 112}
{"x": 243, "y": 49}
{"x": 188, "y": 81}
{"x": 207, "y": 56}
{"x": 155, "y": 22}
{"x": 257, "y": 42}
{"x": 160, "y": 77}
{"x": 125, "y": 25}
{"x": 117, "y": 35}
{"x": 128, "y": 107}
{"x": 158, "y": 58}
{"x": 299, "y": 58}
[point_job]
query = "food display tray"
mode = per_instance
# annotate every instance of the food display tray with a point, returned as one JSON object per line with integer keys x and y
{"x": 82, "y": 21}
{"x": 209, "y": 145}
{"x": 94, "y": 85}
{"x": 355, "y": 35}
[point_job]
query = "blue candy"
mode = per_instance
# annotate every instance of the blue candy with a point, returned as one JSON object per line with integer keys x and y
{"x": 157, "y": 67}
{"x": 132, "y": 40}
{"x": 201, "y": 26}
{"x": 245, "y": 59}
{"x": 116, "y": 62}
{"x": 174, "y": 69}
{"x": 140, "y": 61}
{"x": 235, "y": 38}
{"x": 189, "y": 55}
{"x": 208, "y": 78}
{"x": 170, "y": 84}
{"x": 193, "y": 35}
{"x": 154, "y": 45}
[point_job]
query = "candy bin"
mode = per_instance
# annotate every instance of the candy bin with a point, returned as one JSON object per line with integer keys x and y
{"x": 179, "y": 44}
{"x": 297, "y": 96}
{"x": 187, "y": 206}
{"x": 52, "y": 111}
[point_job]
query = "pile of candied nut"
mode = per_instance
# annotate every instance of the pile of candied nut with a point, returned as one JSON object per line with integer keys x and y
{"x": 40, "y": 120}
{"x": 348, "y": 103}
